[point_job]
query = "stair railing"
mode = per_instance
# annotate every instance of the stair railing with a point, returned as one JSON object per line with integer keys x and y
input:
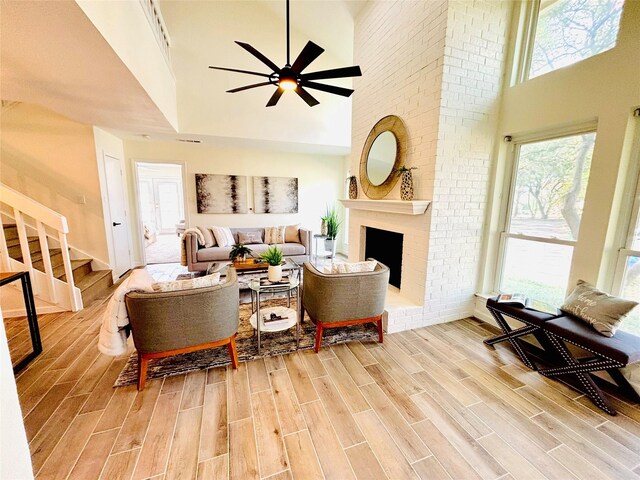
{"x": 22, "y": 206}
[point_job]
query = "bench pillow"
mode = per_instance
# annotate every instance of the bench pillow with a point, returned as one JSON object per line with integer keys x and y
{"x": 224, "y": 237}
{"x": 602, "y": 311}
{"x": 198, "y": 282}
{"x": 249, "y": 238}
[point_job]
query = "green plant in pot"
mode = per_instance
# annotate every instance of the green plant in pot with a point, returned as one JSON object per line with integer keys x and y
{"x": 239, "y": 251}
{"x": 333, "y": 225}
{"x": 273, "y": 256}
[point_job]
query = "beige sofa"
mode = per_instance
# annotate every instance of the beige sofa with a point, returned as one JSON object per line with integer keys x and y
{"x": 199, "y": 257}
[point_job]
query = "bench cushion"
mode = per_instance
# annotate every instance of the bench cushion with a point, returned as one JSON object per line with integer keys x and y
{"x": 622, "y": 347}
{"x": 527, "y": 315}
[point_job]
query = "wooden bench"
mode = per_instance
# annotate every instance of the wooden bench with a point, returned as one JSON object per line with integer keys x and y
{"x": 555, "y": 333}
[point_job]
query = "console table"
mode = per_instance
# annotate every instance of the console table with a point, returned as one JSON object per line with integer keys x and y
{"x": 32, "y": 316}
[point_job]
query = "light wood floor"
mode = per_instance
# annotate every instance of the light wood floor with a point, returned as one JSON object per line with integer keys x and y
{"x": 431, "y": 403}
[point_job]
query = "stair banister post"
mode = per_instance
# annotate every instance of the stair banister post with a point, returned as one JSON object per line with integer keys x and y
{"x": 46, "y": 260}
{"x": 68, "y": 271}
{"x": 4, "y": 250}
{"x": 24, "y": 244}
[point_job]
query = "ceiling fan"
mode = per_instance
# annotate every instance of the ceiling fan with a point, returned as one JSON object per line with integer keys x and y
{"x": 290, "y": 77}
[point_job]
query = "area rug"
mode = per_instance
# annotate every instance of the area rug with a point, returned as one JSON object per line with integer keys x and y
{"x": 272, "y": 344}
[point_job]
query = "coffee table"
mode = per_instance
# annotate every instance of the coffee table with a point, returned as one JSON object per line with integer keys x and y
{"x": 260, "y": 316}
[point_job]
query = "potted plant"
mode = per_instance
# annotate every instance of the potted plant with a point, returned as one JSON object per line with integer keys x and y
{"x": 406, "y": 184}
{"x": 353, "y": 187}
{"x": 273, "y": 256}
{"x": 333, "y": 225}
{"x": 239, "y": 251}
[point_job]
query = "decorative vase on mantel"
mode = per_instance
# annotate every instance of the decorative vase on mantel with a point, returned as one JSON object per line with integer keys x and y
{"x": 353, "y": 188}
{"x": 406, "y": 183}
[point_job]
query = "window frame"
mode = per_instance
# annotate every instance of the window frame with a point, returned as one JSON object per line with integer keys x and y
{"x": 509, "y": 190}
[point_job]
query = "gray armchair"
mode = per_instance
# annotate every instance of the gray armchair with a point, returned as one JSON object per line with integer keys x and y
{"x": 170, "y": 323}
{"x": 338, "y": 300}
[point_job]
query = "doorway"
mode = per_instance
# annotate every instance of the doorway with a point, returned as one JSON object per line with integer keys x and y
{"x": 161, "y": 207}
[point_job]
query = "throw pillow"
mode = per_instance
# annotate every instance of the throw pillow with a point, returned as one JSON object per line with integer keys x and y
{"x": 292, "y": 234}
{"x": 274, "y": 235}
{"x": 356, "y": 267}
{"x": 198, "y": 282}
{"x": 209, "y": 241}
{"x": 224, "y": 237}
{"x": 602, "y": 311}
{"x": 249, "y": 237}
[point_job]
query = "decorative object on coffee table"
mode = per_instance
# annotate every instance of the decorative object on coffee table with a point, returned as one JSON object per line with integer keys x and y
{"x": 239, "y": 251}
{"x": 333, "y": 225}
{"x": 353, "y": 187}
{"x": 406, "y": 184}
{"x": 273, "y": 256}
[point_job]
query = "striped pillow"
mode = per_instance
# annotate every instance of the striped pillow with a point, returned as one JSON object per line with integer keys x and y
{"x": 224, "y": 237}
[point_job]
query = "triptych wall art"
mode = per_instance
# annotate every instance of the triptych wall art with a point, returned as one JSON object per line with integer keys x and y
{"x": 229, "y": 194}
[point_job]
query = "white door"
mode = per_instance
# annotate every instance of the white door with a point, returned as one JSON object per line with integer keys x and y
{"x": 118, "y": 213}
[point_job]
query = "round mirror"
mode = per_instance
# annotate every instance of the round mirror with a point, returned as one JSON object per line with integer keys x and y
{"x": 381, "y": 158}
{"x": 382, "y": 155}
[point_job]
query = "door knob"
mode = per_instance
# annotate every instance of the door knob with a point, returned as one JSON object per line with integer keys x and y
{"x": 115, "y": 224}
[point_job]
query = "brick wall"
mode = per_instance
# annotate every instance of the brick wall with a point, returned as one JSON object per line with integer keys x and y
{"x": 437, "y": 65}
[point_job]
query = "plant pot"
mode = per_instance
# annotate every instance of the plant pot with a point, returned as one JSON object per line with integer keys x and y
{"x": 274, "y": 273}
{"x": 406, "y": 186}
{"x": 353, "y": 188}
{"x": 323, "y": 228}
{"x": 330, "y": 246}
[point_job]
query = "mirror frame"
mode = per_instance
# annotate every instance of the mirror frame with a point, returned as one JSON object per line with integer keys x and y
{"x": 395, "y": 125}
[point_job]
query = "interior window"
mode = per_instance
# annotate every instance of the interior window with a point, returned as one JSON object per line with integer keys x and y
{"x": 569, "y": 31}
{"x": 545, "y": 209}
{"x": 630, "y": 262}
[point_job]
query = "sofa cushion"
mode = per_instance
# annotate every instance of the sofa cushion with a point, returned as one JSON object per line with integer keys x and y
{"x": 623, "y": 347}
{"x": 290, "y": 249}
{"x": 214, "y": 254}
{"x": 274, "y": 235}
{"x": 602, "y": 311}
{"x": 292, "y": 233}
{"x": 527, "y": 315}
{"x": 249, "y": 238}
{"x": 209, "y": 239}
{"x": 224, "y": 237}
{"x": 198, "y": 282}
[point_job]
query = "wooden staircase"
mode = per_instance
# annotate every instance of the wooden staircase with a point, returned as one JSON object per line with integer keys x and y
{"x": 91, "y": 283}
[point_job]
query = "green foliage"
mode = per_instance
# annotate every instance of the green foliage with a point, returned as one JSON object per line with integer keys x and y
{"x": 273, "y": 256}
{"x": 333, "y": 223}
{"x": 239, "y": 250}
{"x": 403, "y": 168}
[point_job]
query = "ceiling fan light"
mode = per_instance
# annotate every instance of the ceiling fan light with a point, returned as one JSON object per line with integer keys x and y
{"x": 287, "y": 84}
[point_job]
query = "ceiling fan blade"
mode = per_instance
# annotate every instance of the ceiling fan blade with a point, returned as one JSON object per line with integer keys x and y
{"x": 307, "y": 97}
{"x": 345, "y": 92}
{"x": 259, "y": 56}
{"x": 275, "y": 97}
{"x": 241, "y": 71}
{"x": 333, "y": 73}
{"x": 309, "y": 53}
{"x": 247, "y": 87}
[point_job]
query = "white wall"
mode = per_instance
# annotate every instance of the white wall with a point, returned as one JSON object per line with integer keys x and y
{"x": 125, "y": 26}
{"x": 53, "y": 160}
{"x": 15, "y": 459}
{"x": 320, "y": 180}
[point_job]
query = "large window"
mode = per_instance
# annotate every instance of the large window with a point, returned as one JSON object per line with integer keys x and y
{"x": 629, "y": 268}
{"x": 568, "y": 31}
{"x": 545, "y": 208}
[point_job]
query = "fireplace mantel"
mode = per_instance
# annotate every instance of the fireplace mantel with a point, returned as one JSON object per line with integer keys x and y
{"x": 413, "y": 207}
